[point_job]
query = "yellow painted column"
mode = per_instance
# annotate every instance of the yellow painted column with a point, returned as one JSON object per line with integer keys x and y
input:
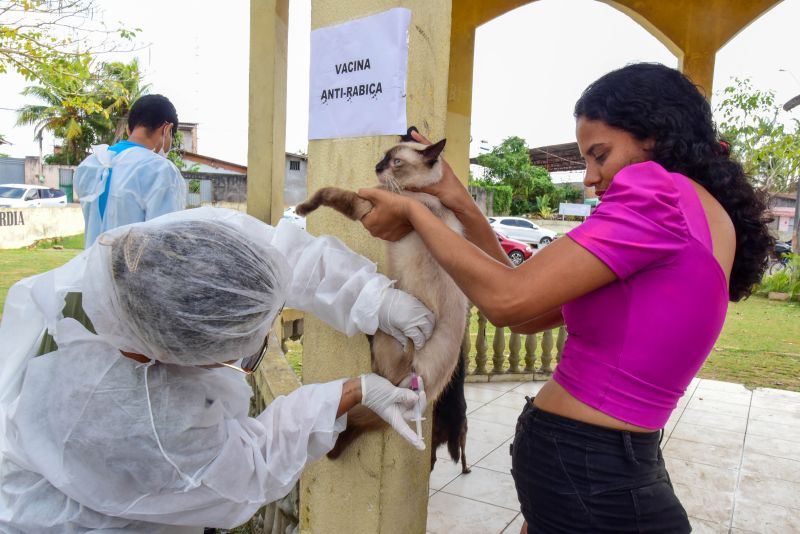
{"x": 459, "y": 92}
{"x": 694, "y": 30}
{"x": 266, "y": 149}
{"x": 380, "y": 484}
{"x": 699, "y": 67}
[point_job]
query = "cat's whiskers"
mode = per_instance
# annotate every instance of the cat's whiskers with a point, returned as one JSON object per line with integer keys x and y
{"x": 394, "y": 187}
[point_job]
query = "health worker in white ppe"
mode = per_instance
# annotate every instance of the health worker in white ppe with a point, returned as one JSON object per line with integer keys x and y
{"x": 143, "y": 426}
{"x": 132, "y": 180}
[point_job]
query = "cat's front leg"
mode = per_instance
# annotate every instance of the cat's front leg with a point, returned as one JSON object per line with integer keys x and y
{"x": 345, "y": 202}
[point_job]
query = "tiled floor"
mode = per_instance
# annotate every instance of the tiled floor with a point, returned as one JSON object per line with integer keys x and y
{"x": 733, "y": 456}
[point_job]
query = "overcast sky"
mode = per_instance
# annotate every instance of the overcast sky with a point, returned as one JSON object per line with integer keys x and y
{"x": 530, "y": 67}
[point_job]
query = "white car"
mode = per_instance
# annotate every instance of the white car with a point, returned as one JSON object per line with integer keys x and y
{"x": 522, "y": 230}
{"x": 290, "y": 215}
{"x": 31, "y": 196}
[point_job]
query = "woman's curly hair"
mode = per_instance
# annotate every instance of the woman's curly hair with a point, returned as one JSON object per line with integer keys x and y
{"x": 652, "y": 101}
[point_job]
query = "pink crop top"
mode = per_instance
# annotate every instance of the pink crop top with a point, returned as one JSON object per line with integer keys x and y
{"x": 635, "y": 344}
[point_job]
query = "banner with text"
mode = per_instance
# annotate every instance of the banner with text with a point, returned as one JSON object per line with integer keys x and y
{"x": 576, "y": 210}
{"x": 358, "y": 77}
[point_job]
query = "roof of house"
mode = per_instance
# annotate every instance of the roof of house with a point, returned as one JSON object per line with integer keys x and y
{"x": 214, "y": 162}
{"x": 227, "y": 165}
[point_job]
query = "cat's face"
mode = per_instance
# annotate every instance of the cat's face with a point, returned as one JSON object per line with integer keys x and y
{"x": 410, "y": 164}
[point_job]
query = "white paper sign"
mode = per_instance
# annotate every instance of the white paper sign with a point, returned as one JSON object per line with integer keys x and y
{"x": 580, "y": 210}
{"x": 358, "y": 77}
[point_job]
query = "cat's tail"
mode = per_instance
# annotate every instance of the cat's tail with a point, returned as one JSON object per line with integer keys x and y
{"x": 345, "y": 202}
{"x": 359, "y": 421}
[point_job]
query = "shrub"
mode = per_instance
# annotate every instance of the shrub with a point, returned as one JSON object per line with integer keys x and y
{"x": 786, "y": 280}
{"x": 501, "y": 194}
{"x": 543, "y": 206}
{"x": 520, "y": 206}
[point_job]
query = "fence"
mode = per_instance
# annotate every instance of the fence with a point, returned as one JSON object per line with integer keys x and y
{"x": 493, "y": 354}
{"x": 512, "y": 356}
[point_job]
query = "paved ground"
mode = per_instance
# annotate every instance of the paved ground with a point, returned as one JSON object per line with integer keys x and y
{"x": 733, "y": 456}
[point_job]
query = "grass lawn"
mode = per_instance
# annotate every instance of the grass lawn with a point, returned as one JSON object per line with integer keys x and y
{"x": 759, "y": 345}
{"x": 16, "y": 264}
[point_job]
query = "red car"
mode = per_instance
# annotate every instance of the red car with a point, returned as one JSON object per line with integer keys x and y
{"x": 516, "y": 250}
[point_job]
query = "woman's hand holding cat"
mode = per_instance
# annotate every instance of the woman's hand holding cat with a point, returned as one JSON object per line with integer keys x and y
{"x": 449, "y": 190}
{"x": 388, "y": 219}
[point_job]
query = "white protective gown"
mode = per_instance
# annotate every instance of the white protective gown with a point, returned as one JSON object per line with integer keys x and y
{"x": 91, "y": 441}
{"x": 144, "y": 186}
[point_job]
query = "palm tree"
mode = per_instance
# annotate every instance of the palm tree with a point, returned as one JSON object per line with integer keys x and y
{"x": 84, "y": 109}
{"x": 122, "y": 85}
{"x": 63, "y": 112}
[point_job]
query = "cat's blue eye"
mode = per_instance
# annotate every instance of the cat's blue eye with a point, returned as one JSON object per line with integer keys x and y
{"x": 397, "y": 162}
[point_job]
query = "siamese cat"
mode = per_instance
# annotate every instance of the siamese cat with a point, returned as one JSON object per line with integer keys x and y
{"x": 407, "y": 165}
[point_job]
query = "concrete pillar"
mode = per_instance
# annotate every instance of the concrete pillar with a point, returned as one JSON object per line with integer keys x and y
{"x": 459, "y": 92}
{"x": 269, "y": 31}
{"x": 698, "y": 65}
{"x": 380, "y": 484}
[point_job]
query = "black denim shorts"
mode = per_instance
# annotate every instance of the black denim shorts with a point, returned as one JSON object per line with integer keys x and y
{"x": 575, "y": 477}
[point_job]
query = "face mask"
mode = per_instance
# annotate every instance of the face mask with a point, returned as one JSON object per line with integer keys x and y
{"x": 161, "y": 151}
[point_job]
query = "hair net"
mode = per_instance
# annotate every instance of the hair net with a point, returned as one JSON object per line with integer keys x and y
{"x": 187, "y": 292}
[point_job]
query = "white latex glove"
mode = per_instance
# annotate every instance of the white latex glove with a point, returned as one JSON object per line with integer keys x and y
{"x": 395, "y": 405}
{"x": 403, "y": 316}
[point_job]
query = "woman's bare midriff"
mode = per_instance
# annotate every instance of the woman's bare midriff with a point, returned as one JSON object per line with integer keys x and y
{"x": 555, "y": 399}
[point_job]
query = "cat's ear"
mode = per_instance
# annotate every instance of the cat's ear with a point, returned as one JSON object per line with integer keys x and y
{"x": 432, "y": 152}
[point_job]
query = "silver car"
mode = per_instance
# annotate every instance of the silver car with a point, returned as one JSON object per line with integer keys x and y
{"x": 522, "y": 230}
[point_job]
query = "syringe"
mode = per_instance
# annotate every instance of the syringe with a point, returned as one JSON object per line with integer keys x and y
{"x": 417, "y": 410}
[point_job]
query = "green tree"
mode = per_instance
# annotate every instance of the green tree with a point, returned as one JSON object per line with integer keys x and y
{"x": 753, "y": 124}
{"x": 510, "y": 164}
{"x": 119, "y": 85}
{"x": 68, "y": 108}
{"x": 82, "y": 108}
{"x": 39, "y": 38}
{"x": 565, "y": 193}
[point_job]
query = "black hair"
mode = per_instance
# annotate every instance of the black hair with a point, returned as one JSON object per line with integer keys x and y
{"x": 652, "y": 101}
{"x": 152, "y": 111}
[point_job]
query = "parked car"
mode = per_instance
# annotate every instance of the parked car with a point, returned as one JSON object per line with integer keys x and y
{"x": 290, "y": 215}
{"x": 522, "y": 230}
{"x": 517, "y": 250}
{"x": 31, "y": 196}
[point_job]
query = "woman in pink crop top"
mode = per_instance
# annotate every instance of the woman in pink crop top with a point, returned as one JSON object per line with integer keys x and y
{"x": 642, "y": 287}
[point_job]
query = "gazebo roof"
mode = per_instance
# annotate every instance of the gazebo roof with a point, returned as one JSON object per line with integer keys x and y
{"x": 555, "y": 158}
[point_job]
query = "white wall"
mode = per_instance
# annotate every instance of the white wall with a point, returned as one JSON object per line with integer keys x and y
{"x": 22, "y": 227}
